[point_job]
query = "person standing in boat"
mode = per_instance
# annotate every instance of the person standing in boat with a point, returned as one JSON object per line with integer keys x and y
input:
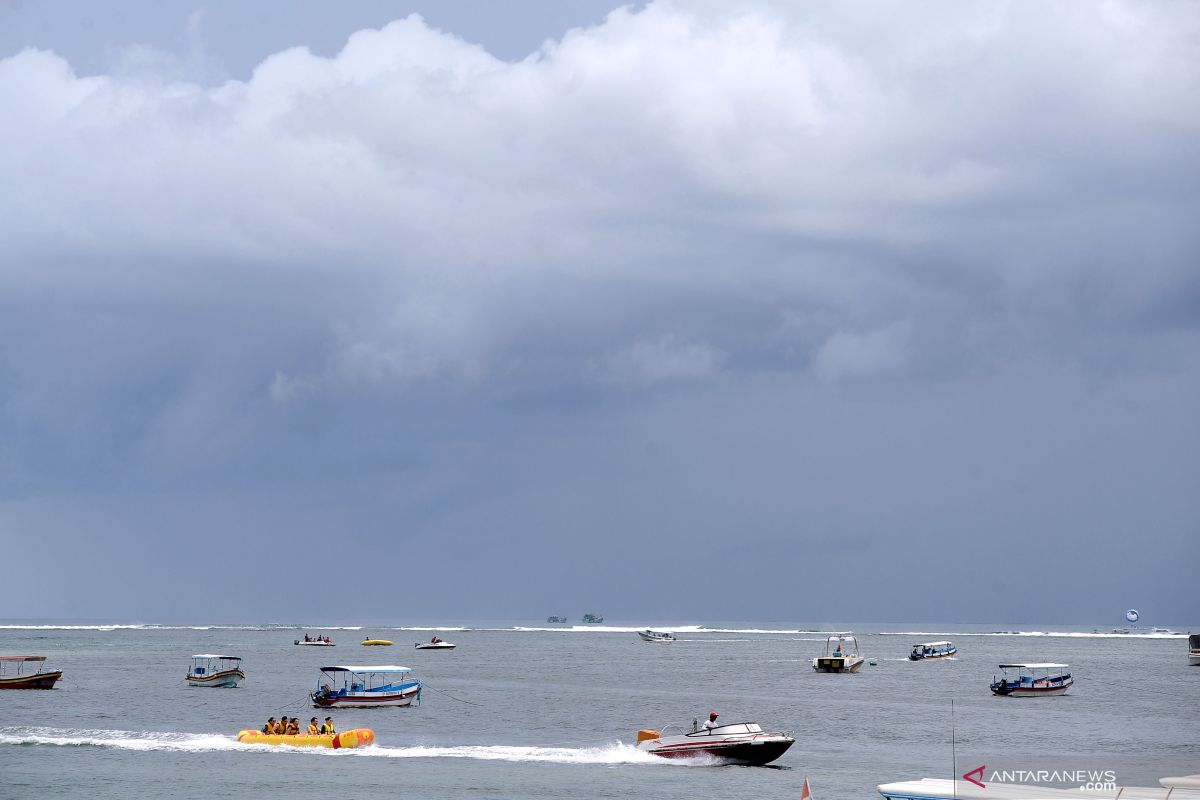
{"x": 711, "y": 722}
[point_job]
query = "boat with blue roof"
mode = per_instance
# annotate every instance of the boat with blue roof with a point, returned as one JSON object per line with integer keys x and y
{"x": 365, "y": 687}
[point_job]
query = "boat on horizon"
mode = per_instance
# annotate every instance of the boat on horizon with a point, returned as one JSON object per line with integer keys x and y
{"x": 555, "y": 620}
{"x": 656, "y": 636}
{"x": 1032, "y": 680}
{"x": 365, "y": 687}
{"x": 217, "y": 671}
{"x": 930, "y": 650}
{"x": 593, "y": 619}
{"x": 736, "y": 743}
{"x": 21, "y": 678}
{"x": 841, "y": 658}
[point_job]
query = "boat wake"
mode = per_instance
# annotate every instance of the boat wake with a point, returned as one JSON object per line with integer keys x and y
{"x": 149, "y": 741}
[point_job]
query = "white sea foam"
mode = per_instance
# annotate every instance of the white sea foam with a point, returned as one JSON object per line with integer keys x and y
{"x": 613, "y": 753}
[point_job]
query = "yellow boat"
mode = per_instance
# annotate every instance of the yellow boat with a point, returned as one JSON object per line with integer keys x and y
{"x": 357, "y": 737}
{"x": 377, "y": 643}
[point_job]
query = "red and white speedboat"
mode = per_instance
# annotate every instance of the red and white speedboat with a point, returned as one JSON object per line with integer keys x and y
{"x": 736, "y": 743}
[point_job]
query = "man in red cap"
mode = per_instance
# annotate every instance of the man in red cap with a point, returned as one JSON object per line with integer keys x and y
{"x": 712, "y": 721}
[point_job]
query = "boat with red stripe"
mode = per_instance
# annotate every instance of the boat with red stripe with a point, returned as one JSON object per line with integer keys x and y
{"x": 735, "y": 743}
{"x": 365, "y": 687}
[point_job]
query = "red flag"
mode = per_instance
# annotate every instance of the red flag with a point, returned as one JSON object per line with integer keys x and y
{"x": 805, "y": 794}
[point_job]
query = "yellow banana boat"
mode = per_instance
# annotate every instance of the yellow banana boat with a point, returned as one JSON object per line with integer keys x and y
{"x": 356, "y": 737}
{"x": 377, "y": 643}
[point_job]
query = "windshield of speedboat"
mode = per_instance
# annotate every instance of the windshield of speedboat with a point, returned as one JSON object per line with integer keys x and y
{"x": 730, "y": 729}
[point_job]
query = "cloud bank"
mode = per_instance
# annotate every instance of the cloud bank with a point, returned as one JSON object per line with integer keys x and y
{"x": 413, "y": 256}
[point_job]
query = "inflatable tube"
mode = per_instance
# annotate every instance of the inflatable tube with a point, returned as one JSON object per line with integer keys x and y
{"x": 376, "y": 642}
{"x": 357, "y": 737}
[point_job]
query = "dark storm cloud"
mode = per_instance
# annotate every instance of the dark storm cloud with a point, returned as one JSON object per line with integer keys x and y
{"x": 699, "y": 283}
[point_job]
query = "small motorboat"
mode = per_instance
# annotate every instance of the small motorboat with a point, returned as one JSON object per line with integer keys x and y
{"x": 376, "y": 642}
{"x": 209, "y": 669}
{"x": 357, "y": 737}
{"x": 315, "y": 641}
{"x": 435, "y": 644}
{"x": 736, "y": 743}
{"x": 656, "y": 636}
{"x": 928, "y": 650}
{"x": 841, "y": 654}
{"x": 365, "y": 687}
{"x": 1032, "y": 680}
{"x": 18, "y": 672}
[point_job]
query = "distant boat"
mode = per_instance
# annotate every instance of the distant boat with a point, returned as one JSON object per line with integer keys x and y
{"x": 594, "y": 619}
{"x": 315, "y": 641}
{"x": 1194, "y": 649}
{"x": 841, "y": 655}
{"x": 209, "y": 669}
{"x": 656, "y": 636}
{"x": 556, "y": 620}
{"x": 1032, "y": 680}
{"x": 15, "y": 675}
{"x": 435, "y": 644}
{"x": 928, "y": 650}
{"x": 365, "y": 687}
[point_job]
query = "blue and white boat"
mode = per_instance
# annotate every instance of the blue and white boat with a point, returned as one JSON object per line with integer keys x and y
{"x": 210, "y": 669}
{"x": 928, "y": 650}
{"x": 1032, "y": 680}
{"x": 365, "y": 687}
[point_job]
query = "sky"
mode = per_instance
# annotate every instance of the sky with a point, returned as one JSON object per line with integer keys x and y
{"x": 685, "y": 311}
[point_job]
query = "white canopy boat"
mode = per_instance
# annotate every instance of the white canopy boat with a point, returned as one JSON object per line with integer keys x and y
{"x": 1194, "y": 649}
{"x": 365, "y": 687}
{"x": 656, "y": 636}
{"x": 737, "y": 743}
{"x": 209, "y": 669}
{"x": 943, "y": 789}
{"x": 841, "y": 654}
{"x": 1032, "y": 680}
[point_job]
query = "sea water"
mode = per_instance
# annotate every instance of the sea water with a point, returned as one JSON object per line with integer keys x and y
{"x": 523, "y": 710}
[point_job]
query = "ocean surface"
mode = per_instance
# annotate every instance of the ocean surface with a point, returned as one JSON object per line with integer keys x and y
{"x": 528, "y": 710}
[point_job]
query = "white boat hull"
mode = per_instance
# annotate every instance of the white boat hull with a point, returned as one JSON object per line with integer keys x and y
{"x": 226, "y": 679}
{"x": 435, "y": 646}
{"x": 1194, "y": 659}
{"x": 838, "y": 663}
{"x": 403, "y": 697}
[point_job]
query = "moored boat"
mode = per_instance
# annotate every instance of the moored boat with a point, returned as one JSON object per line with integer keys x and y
{"x": 18, "y": 672}
{"x": 736, "y": 743}
{"x": 593, "y": 619}
{"x": 1032, "y": 680}
{"x": 209, "y": 669}
{"x": 365, "y": 687}
{"x": 553, "y": 620}
{"x": 356, "y": 737}
{"x": 928, "y": 650}
{"x": 841, "y": 654}
{"x": 656, "y": 636}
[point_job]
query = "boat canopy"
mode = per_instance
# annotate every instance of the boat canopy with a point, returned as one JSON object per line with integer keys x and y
{"x": 213, "y": 655}
{"x": 934, "y": 644}
{"x": 377, "y": 668}
{"x": 22, "y": 658}
{"x": 1034, "y": 666}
